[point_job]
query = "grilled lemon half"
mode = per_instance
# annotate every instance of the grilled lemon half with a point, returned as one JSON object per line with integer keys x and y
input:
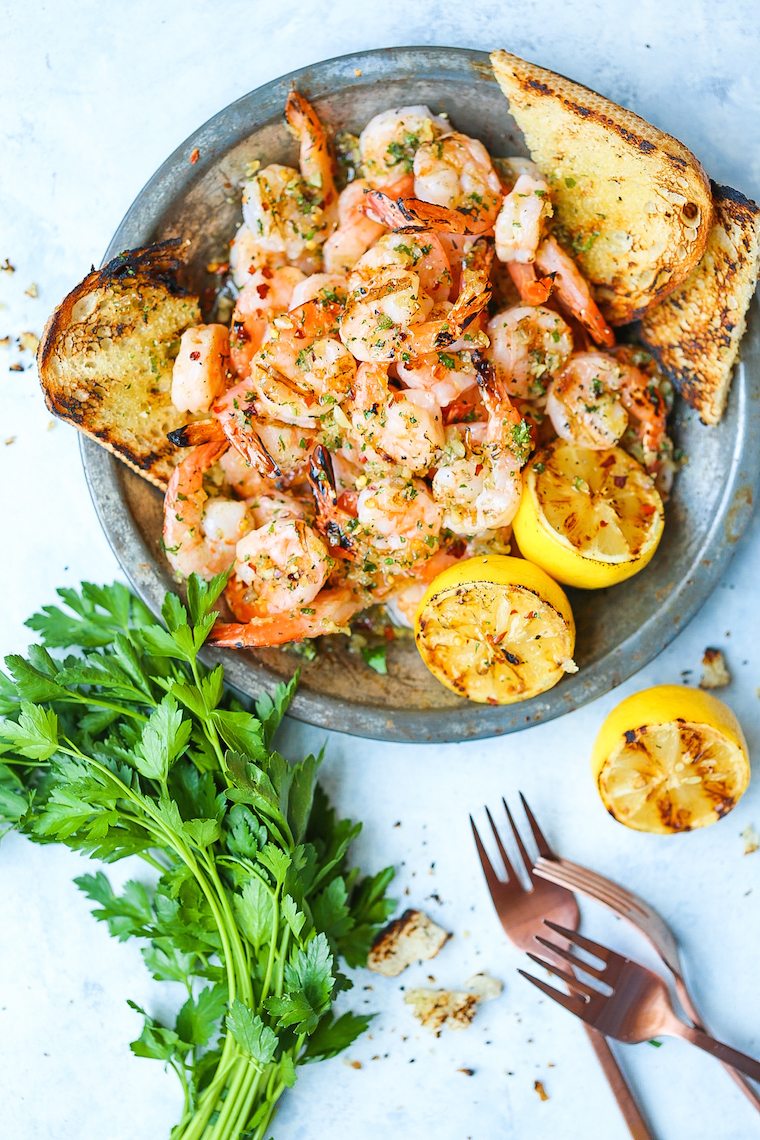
{"x": 496, "y": 630}
{"x": 670, "y": 759}
{"x": 589, "y": 518}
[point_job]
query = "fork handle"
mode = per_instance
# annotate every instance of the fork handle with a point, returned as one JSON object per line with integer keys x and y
{"x": 723, "y": 1052}
{"x": 617, "y": 1082}
{"x": 741, "y": 1081}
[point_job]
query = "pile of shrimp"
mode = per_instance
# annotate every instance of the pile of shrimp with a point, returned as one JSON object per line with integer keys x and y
{"x": 396, "y": 351}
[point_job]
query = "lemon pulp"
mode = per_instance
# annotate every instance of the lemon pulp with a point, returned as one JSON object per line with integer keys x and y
{"x": 589, "y": 518}
{"x": 670, "y": 759}
{"x": 496, "y": 630}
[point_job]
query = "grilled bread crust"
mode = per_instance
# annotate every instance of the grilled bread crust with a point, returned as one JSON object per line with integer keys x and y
{"x": 106, "y": 356}
{"x": 695, "y": 332}
{"x": 633, "y": 205}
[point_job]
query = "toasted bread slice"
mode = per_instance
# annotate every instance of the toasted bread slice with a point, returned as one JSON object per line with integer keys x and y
{"x": 695, "y": 332}
{"x": 105, "y": 358}
{"x": 632, "y": 204}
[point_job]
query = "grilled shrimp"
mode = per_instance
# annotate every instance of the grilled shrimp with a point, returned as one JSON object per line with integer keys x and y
{"x": 284, "y": 564}
{"x": 201, "y": 367}
{"x": 389, "y": 315}
{"x": 529, "y": 345}
{"x": 456, "y": 172}
{"x": 590, "y": 401}
{"x": 522, "y": 217}
{"x": 288, "y": 213}
{"x": 329, "y": 612}
{"x": 446, "y": 375}
{"x": 201, "y": 533}
{"x": 478, "y": 481}
{"x": 356, "y": 231}
{"x": 267, "y": 294}
{"x": 390, "y": 141}
{"x": 573, "y": 290}
{"x": 389, "y": 426}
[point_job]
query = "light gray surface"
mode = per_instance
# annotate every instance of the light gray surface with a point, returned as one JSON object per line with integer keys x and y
{"x": 93, "y": 100}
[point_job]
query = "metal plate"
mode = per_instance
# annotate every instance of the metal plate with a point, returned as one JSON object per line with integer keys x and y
{"x": 619, "y": 629}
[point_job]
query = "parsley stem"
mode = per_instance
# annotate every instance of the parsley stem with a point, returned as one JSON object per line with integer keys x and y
{"x": 230, "y": 1102}
{"x": 272, "y": 947}
{"x": 246, "y": 989}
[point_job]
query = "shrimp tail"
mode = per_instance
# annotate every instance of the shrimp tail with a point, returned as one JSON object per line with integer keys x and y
{"x": 330, "y": 612}
{"x": 573, "y": 291}
{"x": 199, "y": 431}
{"x": 533, "y": 290}
{"x": 315, "y": 157}
{"x": 474, "y": 293}
{"x": 412, "y": 215}
{"x": 330, "y": 520}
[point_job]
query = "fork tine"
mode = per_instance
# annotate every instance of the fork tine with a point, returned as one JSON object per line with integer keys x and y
{"x": 511, "y": 874}
{"x": 527, "y": 861}
{"x": 493, "y": 882}
{"x": 594, "y": 948}
{"x": 571, "y": 958}
{"x": 570, "y": 981}
{"x": 543, "y": 847}
{"x": 575, "y": 1005}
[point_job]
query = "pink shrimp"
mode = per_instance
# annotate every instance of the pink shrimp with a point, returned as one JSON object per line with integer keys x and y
{"x": 356, "y": 231}
{"x": 329, "y": 612}
{"x": 573, "y": 290}
{"x": 267, "y": 294}
{"x": 200, "y": 534}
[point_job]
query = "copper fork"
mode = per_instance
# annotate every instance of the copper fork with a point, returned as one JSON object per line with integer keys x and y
{"x": 639, "y": 914}
{"x": 637, "y": 1009}
{"x": 522, "y": 913}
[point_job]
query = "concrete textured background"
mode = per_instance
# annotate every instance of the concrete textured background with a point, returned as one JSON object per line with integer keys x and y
{"x": 94, "y": 97}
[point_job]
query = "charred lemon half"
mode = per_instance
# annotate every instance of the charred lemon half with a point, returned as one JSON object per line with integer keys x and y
{"x": 670, "y": 759}
{"x": 496, "y": 630}
{"x": 589, "y": 518}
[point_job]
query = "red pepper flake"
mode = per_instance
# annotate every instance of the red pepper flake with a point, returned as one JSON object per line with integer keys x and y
{"x": 603, "y": 522}
{"x": 194, "y": 155}
{"x": 262, "y": 290}
{"x": 267, "y": 272}
{"x": 492, "y": 701}
{"x": 609, "y": 461}
{"x": 195, "y": 356}
{"x": 647, "y": 509}
{"x": 478, "y": 468}
{"x": 620, "y": 480}
{"x": 388, "y": 633}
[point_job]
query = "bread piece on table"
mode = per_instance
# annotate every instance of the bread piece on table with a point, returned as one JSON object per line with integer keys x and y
{"x": 632, "y": 204}
{"x": 408, "y": 939}
{"x": 695, "y": 332}
{"x": 105, "y": 358}
{"x": 454, "y": 1009}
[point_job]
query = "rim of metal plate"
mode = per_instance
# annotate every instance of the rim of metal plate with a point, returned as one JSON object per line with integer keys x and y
{"x": 469, "y": 722}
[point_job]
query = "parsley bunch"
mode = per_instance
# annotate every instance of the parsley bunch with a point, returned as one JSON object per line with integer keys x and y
{"x": 131, "y": 746}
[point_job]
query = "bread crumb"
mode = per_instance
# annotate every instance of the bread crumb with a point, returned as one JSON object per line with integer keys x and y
{"x": 5, "y": 342}
{"x": 10, "y": 439}
{"x": 715, "y": 674}
{"x": 32, "y": 290}
{"x": 484, "y": 986}
{"x": 413, "y": 937}
{"x": 539, "y": 1087}
{"x": 467, "y": 1072}
{"x": 454, "y": 1009}
{"x": 6, "y": 267}
{"x": 357, "y": 72}
{"x": 751, "y": 839}
{"x": 16, "y": 367}
{"x": 28, "y": 342}
{"x": 194, "y": 155}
